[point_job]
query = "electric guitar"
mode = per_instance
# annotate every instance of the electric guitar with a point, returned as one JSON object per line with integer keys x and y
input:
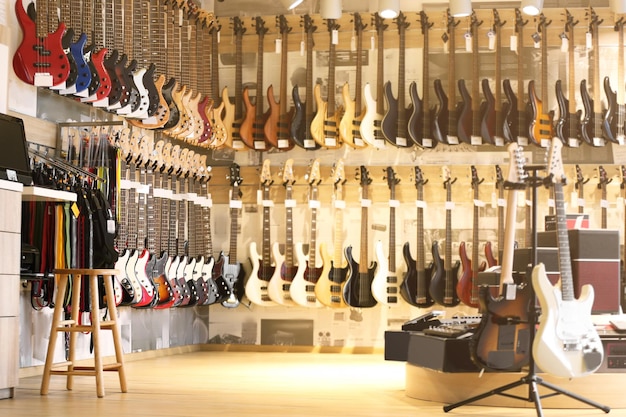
{"x": 591, "y": 124}
{"x": 580, "y": 185}
{"x": 286, "y": 268}
{"x": 602, "y": 183}
{"x": 325, "y": 124}
{"x": 100, "y": 86}
{"x": 414, "y": 286}
{"x": 262, "y": 266}
{"x": 502, "y": 340}
{"x": 445, "y": 275}
{"x": 300, "y": 129}
{"x": 39, "y": 59}
{"x": 233, "y": 113}
{"x": 491, "y": 259}
{"x": 375, "y": 109}
{"x": 385, "y": 283}
{"x": 328, "y": 289}
{"x": 215, "y": 114}
{"x": 251, "y": 131}
{"x": 568, "y": 125}
{"x": 357, "y": 289}
{"x": 470, "y": 110}
{"x": 350, "y": 121}
{"x": 276, "y": 127}
{"x": 466, "y": 287}
{"x": 302, "y": 287}
{"x": 614, "y": 122}
{"x": 541, "y": 130}
{"x": 566, "y": 344}
{"x": 396, "y": 120}
{"x": 445, "y": 117}
{"x": 232, "y": 272}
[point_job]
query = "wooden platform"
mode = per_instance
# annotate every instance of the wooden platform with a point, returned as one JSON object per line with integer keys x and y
{"x": 261, "y": 384}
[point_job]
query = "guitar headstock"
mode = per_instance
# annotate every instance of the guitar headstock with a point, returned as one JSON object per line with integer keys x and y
{"x": 283, "y": 25}
{"x": 379, "y": 24}
{"x": 447, "y": 177}
{"x": 363, "y": 176}
{"x": 450, "y": 23}
{"x": 476, "y": 181}
{"x": 215, "y": 26}
{"x": 580, "y": 178}
{"x": 623, "y": 170}
{"x": 182, "y": 158}
{"x": 424, "y": 22}
{"x": 146, "y": 148}
{"x": 497, "y": 22}
{"x": 123, "y": 141}
{"x": 619, "y": 24}
{"x": 359, "y": 26}
{"x": 419, "y": 177}
{"x": 338, "y": 173}
{"x": 175, "y": 160}
{"x": 157, "y": 155}
{"x": 266, "y": 173}
{"x": 313, "y": 174}
{"x": 499, "y": 177}
{"x": 166, "y": 154}
{"x": 234, "y": 175}
{"x": 603, "y": 177}
{"x": 517, "y": 174}
{"x": 519, "y": 21}
{"x": 287, "y": 173}
{"x": 238, "y": 27}
{"x": 259, "y": 26}
{"x": 390, "y": 176}
{"x": 594, "y": 20}
{"x": 307, "y": 23}
{"x": 555, "y": 162}
{"x": 543, "y": 23}
{"x": 401, "y": 22}
{"x": 569, "y": 23}
{"x": 332, "y": 25}
{"x": 474, "y": 22}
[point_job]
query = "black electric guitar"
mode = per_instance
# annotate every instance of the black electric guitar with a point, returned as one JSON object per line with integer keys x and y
{"x": 414, "y": 287}
{"x": 602, "y": 183}
{"x": 357, "y": 290}
{"x": 568, "y": 125}
{"x": 614, "y": 123}
{"x": 502, "y": 340}
{"x": 470, "y": 110}
{"x": 445, "y": 274}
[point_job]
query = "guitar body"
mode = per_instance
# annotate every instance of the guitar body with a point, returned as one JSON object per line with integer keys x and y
{"x": 324, "y": 129}
{"x": 94, "y": 82}
{"x": 540, "y": 122}
{"x": 141, "y": 110}
{"x": 219, "y": 128}
{"x": 172, "y": 271}
{"x": 167, "y": 92}
{"x": 213, "y": 293}
{"x": 440, "y": 118}
{"x": 502, "y": 340}
{"x": 276, "y": 122}
{"x": 221, "y": 285}
{"x": 128, "y": 291}
{"x": 357, "y": 289}
{"x": 133, "y": 92}
{"x": 586, "y": 124}
{"x": 371, "y": 119}
{"x": 302, "y": 288}
{"x": 188, "y": 281}
{"x": 233, "y": 276}
{"x": 201, "y": 287}
{"x": 511, "y": 126}
{"x": 31, "y": 51}
{"x": 142, "y": 270}
{"x": 389, "y": 123}
{"x": 609, "y": 123}
{"x": 104, "y": 79}
{"x": 196, "y": 128}
{"x": 466, "y": 289}
{"x": 161, "y": 115}
{"x": 120, "y": 93}
{"x": 328, "y": 289}
{"x": 83, "y": 74}
{"x": 566, "y": 344}
{"x": 491, "y": 259}
{"x": 384, "y": 284}
{"x": 258, "y": 282}
{"x": 350, "y": 121}
{"x": 464, "y": 116}
{"x": 132, "y": 277}
{"x": 165, "y": 296}
{"x": 229, "y": 118}
{"x": 443, "y": 279}
{"x": 568, "y": 125}
{"x": 280, "y": 283}
{"x": 415, "y": 284}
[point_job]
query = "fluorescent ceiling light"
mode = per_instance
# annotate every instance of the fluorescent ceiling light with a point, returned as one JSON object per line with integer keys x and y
{"x": 388, "y": 9}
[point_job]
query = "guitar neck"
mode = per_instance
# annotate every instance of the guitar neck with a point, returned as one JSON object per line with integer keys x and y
{"x": 448, "y": 251}
{"x": 289, "y": 227}
{"x": 338, "y": 230}
{"x": 475, "y": 242}
{"x": 426, "y": 88}
{"x": 421, "y": 250}
{"x": 380, "y": 104}
{"x": 266, "y": 249}
{"x": 565, "y": 265}
{"x": 363, "y": 263}
{"x": 310, "y": 106}
{"x": 392, "y": 232}
{"x": 313, "y": 238}
{"x": 234, "y": 226}
{"x": 330, "y": 111}
{"x": 259, "y": 80}
{"x": 238, "y": 77}
{"x": 620, "y": 63}
{"x": 506, "y": 274}
{"x": 283, "y": 72}
{"x": 572, "y": 76}
{"x": 215, "y": 65}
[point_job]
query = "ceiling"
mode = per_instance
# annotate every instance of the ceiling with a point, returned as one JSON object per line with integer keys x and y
{"x": 225, "y": 8}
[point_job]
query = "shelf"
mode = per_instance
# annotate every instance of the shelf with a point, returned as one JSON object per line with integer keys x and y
{"x": 46, "y": 194}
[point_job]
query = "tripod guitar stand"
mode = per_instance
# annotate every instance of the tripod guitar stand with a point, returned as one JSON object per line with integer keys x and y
{"x": 531, "y": 379}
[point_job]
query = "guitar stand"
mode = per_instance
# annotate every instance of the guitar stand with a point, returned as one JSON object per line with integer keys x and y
{"x": 531, "y": 378}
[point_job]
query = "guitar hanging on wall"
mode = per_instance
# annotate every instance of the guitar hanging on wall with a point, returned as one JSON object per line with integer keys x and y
{"x": 470, "y": 111}
{"x": 502, "y": 340}
{"x": 500, "y": 202}
{"x": 614, "y": 123}
{"x": 603, "y": 181}
{"x": 566, "y": 344}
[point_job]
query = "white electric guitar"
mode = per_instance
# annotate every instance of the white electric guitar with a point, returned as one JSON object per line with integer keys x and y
{"x": 566, "y": 343}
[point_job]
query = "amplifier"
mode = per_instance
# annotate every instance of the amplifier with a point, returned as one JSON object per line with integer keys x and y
{"x": 614, "y": 356}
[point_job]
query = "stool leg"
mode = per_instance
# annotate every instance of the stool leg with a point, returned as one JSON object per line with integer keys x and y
{"x": 56, "y": 319}
{"x": 75, "y": 303}
{"x": 95, "y": 332}
{"x": 117, "y": 338}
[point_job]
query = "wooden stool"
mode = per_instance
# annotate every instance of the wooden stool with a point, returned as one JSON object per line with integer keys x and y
{"x": 72, "y": 326}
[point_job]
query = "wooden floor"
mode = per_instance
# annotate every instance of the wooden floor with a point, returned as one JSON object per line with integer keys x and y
{"x": 263, "y": 384}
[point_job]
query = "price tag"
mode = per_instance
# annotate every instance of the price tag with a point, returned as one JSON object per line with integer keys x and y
{"x": 359, "y": 142}
{"x": 126, "y": 184}
{"x": 468, "y": 42}
{"x": 330, "y": 142}
{"x": 491, "y": 36}
{"x": 267, "y": 203}
{"x": 400, "y": 141}
{"x": 522, "y": 140}
{"x": 427, "y": 143}
{"x": 499, "y": 141}
{"x": 501, "y": 202}
{"x": 452, "y": 140}
{"x": 573, "y": 142}
{"x": 335, "y": 37}
{"x": 420, "y": 204}
{"x": 43, "y": 79}
{"x": 339, "y": 204}
{"x": 598, "y": 142}
{"x": 291, "y": 203}
{"x": 278, "y": 46}
{"x": 379, "y": 143}
{"x": 237, "y": 144}
{"x": 545, "y": 143}
{"x": 75, "y": 210}
{"x": 309, "y": 143}
{"x": 513, "y": 44}
{"x": 366, "y": 202}
{"x": 372, "y": 43}
{"x": 259, "y": 144}
{"x": 236, "y": 204}
{"x": 150, "y": 121}
{"x": 314, "y": 204}
{"x": 394, "y": 203}
{"x": 550, "y": 202}
{"x": 479, "y": 203}
{"x": 143, "y": 188}
{"x": 259, "y": 197}
{"x": 581, "y": 202}
{"x": 588, "y": 40}
{"x": 283, "y": 143}
{"x": 302, "y": 48}
{"x": 476, "y": 140}
{"x": 449, "y": 205}
{"x": 604, "y": 203}
{"x": 353, "y": 43}
{"x": 208, "y": 203}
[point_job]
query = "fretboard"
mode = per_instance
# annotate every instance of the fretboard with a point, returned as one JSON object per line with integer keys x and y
{"x": 392, "y": 230}
{"x": 565, "y": 265}
{"x": 338, "y": 230}
{"x": 266, "y": 249}
{"x": 363, "y": 263}
{"x": 313, "y": 238}
{"x": 289, "y": 227}
{"x": 234, "y": 226}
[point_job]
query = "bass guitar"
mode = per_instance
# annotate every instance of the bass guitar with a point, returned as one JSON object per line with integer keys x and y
{"x": 216, "y": 111}
{"x": 286, "y": 268}
{"x": 444, "y": 277}
{"x": 328, "y": 289}
{"x": 300, "y": 129}
{"x": 414, "y": 286}
{"x": 614, "y": 123}
{"x": 603, "y": 181}
{"x": 262, "y": 265}
{"x": 466, "y": 287}
{"x": 395, "y": 123}
{"x": 491, "y": 259}
{"x": 357, "y": 290}
{"x": 568, "y": 125}
{"x": 566, "y": 344}
{"x": 470, "y": 110}
{"x": 324, "y": 127}
{"x": 385, "y": 283}
{"x": 302, "y": 287}
{"x": 502, "y": 340}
